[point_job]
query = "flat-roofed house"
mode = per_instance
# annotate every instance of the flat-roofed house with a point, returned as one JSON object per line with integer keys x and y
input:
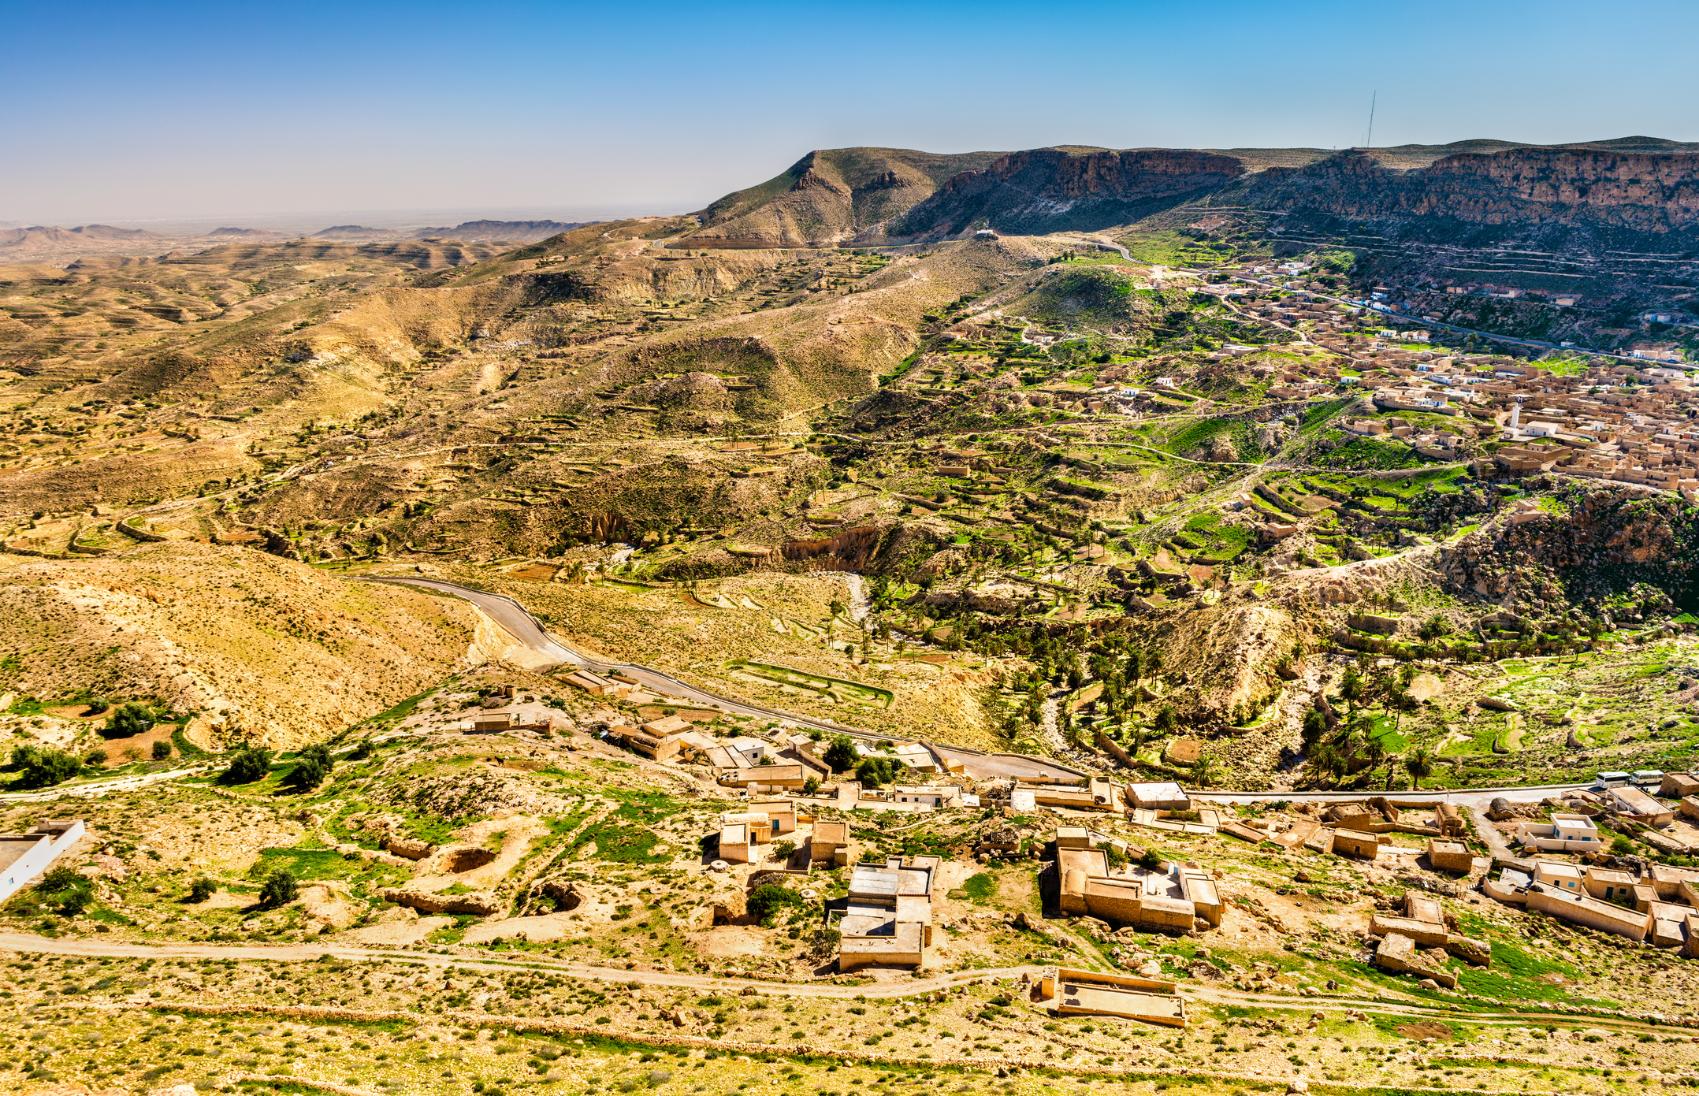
{"x": 1073, "y": 837}
{"x": 492, "y": 722}
{"x": 1678, "y": 785}
{"x": 1158, "y": 796}
{"x": 1690, "y": 807}
{"x": 768, "y": 778}
{"x": 25, "y": 856}
{"x": 735, "y": 843}
{"x": 1669, "y": 924}
{"x": 828, "y": 844}
{"x": 1069, "y": 992}
{"x": 1609, "y": 884}
{"x": 1564, "y": 833}
{"x": 667, "y": 725}
{"x": 1583, "y": 909}
{"x": 661, "y": 740}
{"x": 1198, "y": 888}
{"x": 1672, "y": 884}
{"x": 1161, "y": 901}
{"x": 1564, "y": 877}
{"x": 1453, "y": 856}
{"x": 927, "y": 797}
{"x": 1632, "y": 802}
{"x": 887, "y": 918}
{"x": 597, "y": 685}
{"x": 780, "y": 815}
{"x": 1357, "y": 843}
{"x": 1097, "y": 794}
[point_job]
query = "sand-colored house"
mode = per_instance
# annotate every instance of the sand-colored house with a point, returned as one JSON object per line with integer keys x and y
{"x": 1069, "y": 992}
{"x": 1356, "y": 843}
{"x": 887, "y": 919}
{"x": 1678, "y": 785}
{"x": 1097, "y": 794}
{"x": 1170, "y": 901}
{"x": 780, "y": 813}
{"x": 1452, "y": 856}
{"x": 1584, "y": 909}
{"x": 1610, "y": 884}
{"x": 829, "y": 844}
{"x": 784, "y": 777}
{"x": 597, "y": 685}
{"x": 1423, "y": 921}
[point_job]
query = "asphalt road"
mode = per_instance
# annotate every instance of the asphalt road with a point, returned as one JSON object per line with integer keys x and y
{"x": 519, "y": 623}
{"x": 525, "y": 628}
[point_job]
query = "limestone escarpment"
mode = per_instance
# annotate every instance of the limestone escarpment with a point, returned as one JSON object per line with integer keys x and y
{"x": 1642, "y": 192}
{"x": 1047, "y": 189}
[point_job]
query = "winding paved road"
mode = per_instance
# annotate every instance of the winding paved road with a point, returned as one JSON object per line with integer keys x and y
{"x": 525, "y": 628}
{"x": 529, "y": 631}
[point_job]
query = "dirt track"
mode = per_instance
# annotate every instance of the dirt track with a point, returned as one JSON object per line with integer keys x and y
{"x": 905, "y": 986}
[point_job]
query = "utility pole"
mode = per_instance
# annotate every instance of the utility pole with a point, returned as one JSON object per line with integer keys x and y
{"x": 1369, "y": 141}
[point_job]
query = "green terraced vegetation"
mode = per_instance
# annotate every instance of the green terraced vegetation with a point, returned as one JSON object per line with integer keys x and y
{"x": 1209, "y": 539}
{"x": 1193, "y": 436}
{"x": 832, "y": 687}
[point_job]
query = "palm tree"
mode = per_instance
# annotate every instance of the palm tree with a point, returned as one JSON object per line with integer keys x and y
{"x": 1420, "y": 766}
{"x": 1203, "y": 770}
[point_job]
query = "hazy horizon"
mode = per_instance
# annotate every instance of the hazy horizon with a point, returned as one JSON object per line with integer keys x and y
{"x": 202, "y": 113}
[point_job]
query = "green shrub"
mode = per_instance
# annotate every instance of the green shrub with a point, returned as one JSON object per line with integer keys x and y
{"x": 878, "y": 770}
{"x": 161, "y": 750}
{"x": 279, "y": 889}
{"x": 840, "y": 754}
{"x": 128, "y": 721}
{"x": 247, "y": 766}
{"x": 311, "y": 768}
{"x": 202, "y": 889}
{"x": 42, "y": 766}
{"x": 768, "y": 899}
{"x": 65, "y": 891}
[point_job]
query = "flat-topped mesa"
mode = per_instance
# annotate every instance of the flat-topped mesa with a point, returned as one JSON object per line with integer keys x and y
{"x": 1651, "y": 192}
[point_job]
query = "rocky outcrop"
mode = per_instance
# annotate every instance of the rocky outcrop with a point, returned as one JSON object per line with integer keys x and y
{"x": 1599, "y": 542}
{"x": 1048, "y": 189}
{"x": 476, "y": 904}
{"x": 408, "y": 848}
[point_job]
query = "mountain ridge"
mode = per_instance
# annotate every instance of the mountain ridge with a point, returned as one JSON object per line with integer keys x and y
{"x": 832, "y": 197}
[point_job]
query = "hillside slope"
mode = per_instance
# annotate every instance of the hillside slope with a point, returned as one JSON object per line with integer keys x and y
{"x": 830, "y": 196}
{"x": 263, "y": 647}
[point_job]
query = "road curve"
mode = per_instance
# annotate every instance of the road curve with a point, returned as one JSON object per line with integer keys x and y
{"x": 528, "y": 630}
{"x": 525, "y": 628}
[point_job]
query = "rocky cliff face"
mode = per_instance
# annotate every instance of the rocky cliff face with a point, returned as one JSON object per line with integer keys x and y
{"x": 1048, "y": 189}
{"x": 1606, "y": 542}
{"x": 1642, "y": 192}
{"x": 1605, "y": 191}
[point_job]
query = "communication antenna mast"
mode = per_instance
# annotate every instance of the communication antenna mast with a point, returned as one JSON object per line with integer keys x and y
{"x": 1369, "y": 141}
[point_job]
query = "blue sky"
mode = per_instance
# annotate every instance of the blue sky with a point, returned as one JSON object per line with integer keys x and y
{"x": 131, "y": 111}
